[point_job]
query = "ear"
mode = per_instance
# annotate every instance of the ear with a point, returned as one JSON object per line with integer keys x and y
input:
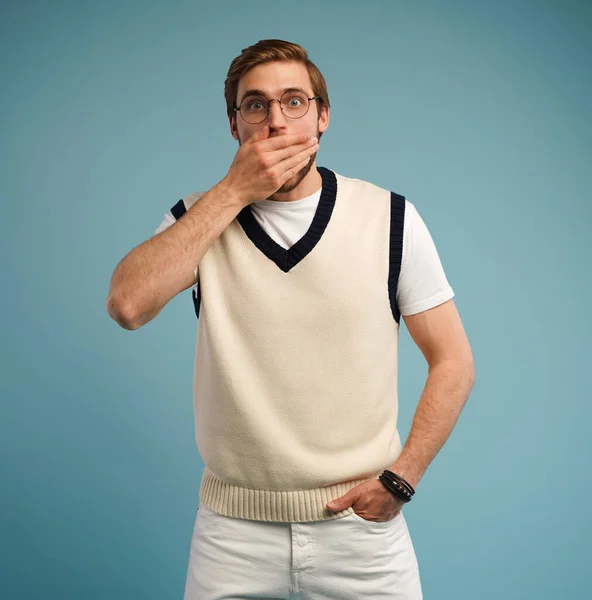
{"x": 232, "y": 123}
{"x": 324, "y": 119}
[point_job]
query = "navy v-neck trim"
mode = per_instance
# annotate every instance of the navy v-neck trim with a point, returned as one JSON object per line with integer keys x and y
{"x": 284, "y": 258}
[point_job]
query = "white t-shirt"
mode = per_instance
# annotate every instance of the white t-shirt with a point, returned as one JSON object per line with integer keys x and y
{"x": 422, "y": 282}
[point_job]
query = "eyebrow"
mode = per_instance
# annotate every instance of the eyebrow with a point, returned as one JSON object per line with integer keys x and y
{"x": 256, "y": 92}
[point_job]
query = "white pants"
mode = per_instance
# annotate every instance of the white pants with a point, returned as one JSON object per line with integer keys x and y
{"x": 348, "y": 558}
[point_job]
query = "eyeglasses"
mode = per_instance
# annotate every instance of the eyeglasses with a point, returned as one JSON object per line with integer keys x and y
{"x": 255, "y": 109}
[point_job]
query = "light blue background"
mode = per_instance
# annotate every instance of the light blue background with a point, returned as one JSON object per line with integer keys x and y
{"x": 478, "y": 112}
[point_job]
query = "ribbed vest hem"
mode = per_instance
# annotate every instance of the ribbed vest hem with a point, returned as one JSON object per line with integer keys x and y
{"x": 266, "y": 505}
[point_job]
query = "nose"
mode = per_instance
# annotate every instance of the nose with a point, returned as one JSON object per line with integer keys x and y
{"x": 276, "y": 118}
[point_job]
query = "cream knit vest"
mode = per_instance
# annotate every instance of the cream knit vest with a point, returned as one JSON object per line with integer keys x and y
{"x": 295, "y": 380}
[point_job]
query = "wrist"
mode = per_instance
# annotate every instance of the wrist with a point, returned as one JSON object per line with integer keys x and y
{"x": 398, "y": 486}
{"x": 408, "y": 474}
{"x": 230, "y": 191}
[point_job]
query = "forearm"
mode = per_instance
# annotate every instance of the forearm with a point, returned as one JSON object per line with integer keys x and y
{"x": 158, "y": 269}
{"x": 447, "y": 388}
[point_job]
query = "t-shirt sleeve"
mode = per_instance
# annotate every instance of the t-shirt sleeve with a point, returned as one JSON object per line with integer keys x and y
{"x": 165, "y": 224}
{"x": 422, "y": 282}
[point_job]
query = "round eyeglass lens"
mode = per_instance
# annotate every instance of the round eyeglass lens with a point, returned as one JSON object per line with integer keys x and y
{"x": 293, "y": 104}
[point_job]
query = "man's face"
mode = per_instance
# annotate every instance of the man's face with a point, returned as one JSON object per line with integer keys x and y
{"x": 272, "y": 79}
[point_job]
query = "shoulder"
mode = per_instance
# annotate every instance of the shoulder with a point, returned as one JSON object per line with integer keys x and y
{"x": 367, "y": 189}
{"x": 359, "y": 184}
{"x": 183, "y": 205}
{"x": 190, "y": 200}
{"x": 178, "y": 210}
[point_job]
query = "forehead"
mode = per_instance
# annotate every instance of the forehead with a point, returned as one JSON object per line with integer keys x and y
{"x": 274, "y": 77}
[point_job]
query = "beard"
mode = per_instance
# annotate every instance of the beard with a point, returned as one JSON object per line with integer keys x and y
{"x": 295, "y": 180}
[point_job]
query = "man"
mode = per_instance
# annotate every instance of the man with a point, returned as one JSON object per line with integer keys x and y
{"x": 299, "y": 277}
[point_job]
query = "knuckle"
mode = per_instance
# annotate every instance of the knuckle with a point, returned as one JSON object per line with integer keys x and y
{"x": 275, "y": 178}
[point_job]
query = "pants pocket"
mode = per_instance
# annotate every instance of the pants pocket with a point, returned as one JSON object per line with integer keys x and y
{"x": 374, "y": 524}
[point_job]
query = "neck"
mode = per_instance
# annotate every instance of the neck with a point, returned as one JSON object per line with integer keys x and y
{"x": 308, "y": 186}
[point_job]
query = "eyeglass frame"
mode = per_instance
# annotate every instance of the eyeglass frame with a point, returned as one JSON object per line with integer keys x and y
{"x": 279, "y": 101}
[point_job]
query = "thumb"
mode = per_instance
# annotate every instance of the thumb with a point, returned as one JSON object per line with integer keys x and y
{"x": 340, "y": 503}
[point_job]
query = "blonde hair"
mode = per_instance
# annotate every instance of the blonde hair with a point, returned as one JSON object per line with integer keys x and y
{"x": 265, "y": 51}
